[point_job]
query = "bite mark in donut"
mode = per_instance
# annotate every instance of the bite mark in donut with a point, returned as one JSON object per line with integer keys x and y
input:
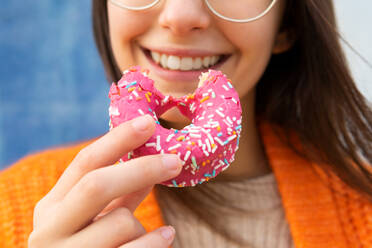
{"x": 207, "y": 146}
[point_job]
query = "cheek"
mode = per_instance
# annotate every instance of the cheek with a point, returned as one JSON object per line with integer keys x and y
{"x": 254, "y": 44}
{"x": 256, "y": 50}
{"x": 124, "y": 26}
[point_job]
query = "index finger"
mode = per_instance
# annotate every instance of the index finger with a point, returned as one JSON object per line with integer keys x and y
{"x": 104, "y": 151}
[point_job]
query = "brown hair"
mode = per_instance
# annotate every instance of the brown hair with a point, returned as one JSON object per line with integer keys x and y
{"x": 308, "y": 89}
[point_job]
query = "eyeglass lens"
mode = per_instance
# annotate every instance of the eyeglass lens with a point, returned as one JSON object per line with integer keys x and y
{"x": 240, "y": 9}
{"x": 235, "y": 9}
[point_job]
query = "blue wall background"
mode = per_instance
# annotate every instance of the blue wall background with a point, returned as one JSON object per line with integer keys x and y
{"x": 52, "y": 85}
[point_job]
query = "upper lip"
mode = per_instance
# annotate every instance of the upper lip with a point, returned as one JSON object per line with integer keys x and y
{"x": 183, "y": 52}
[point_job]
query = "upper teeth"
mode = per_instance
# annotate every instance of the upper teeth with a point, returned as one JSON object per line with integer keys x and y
{"x": 184, "y": 63}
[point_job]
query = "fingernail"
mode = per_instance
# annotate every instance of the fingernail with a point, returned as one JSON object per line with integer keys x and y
{"x": 141, "y": 123}
{"x": 171, "y": 161}
{"x": 167, "y": 232}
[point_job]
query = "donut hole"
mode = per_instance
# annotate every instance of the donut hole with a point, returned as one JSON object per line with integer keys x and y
{"x": 173, "y": 118}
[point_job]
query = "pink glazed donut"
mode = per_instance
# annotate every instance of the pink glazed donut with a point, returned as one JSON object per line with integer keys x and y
{"x": 207, "y": 146}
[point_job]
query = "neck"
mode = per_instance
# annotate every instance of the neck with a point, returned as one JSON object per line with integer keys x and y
{"x": 250, "y": 159}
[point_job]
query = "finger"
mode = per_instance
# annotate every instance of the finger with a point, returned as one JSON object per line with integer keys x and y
{"x": 98, "y": 188}
{"x": 104, "y": 151}
{"x": 130, "y": 201}
{"x": 160, "y": 238}
{"x": 115, "y": 228}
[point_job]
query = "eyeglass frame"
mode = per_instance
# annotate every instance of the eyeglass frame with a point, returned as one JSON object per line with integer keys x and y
{"x": 121, "y": 5}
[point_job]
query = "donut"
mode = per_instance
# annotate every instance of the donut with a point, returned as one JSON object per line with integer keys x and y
{"x": 206, "y": 146}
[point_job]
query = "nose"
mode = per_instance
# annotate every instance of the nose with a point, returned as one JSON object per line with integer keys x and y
{"x": 181, "y": 17}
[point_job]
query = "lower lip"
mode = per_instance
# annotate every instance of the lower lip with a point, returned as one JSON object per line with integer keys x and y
{"x": 178, "y": 75}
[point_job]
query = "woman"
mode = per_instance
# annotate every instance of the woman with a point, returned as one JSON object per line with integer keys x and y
{"x": 306, "y": 128}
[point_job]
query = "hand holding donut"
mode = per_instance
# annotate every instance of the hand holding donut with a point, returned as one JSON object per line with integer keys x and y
{"x": 92, "y": 203}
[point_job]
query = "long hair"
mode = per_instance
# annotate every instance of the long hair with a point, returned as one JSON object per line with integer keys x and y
{"x": 308, "y": 89}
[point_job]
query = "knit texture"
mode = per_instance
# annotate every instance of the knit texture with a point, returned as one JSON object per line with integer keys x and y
{"x": 249, "y": 210}
{"x": 322, "y": 211}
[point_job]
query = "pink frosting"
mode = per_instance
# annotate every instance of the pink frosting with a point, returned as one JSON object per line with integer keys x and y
{"x": 207, "y": 146}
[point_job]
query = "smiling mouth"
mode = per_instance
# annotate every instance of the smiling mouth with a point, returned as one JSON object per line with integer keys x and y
{"x": 184, "y": 63}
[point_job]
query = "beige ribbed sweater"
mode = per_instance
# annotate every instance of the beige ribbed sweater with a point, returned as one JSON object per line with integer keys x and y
{"x": 261, "y": 225}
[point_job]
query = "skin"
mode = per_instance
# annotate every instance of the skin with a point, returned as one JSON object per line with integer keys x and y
{"x": 93, "y": 202}
{"x": 192, "y": 26}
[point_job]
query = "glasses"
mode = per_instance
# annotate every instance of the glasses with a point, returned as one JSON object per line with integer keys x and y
{"x": 231, "y": 10}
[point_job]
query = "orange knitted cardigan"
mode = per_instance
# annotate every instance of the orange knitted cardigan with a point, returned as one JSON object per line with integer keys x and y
{"x": 321, "y": 210}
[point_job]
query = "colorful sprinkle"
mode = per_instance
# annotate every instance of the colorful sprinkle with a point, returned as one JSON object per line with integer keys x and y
{"x": 208, "y": 145}
{"x": 131, "y": 89}
{"x": 187, "y": 155}
{"x": 158, "y": 143}
{"x": 220, "y": 114}
{"x": 194, "y": 135}
{"x": 194, "y": 161}
{"x": 231, "y": 137}
{"x": 152, "y": 144}
{"x": 219, "y": 141}
{"x": 174, "y": 183}
{"x": 210, "y": 138}
{"x": 131, "y": 84}
{"x": 148, "y": 98}
{"x": 214, "y": 148}
{"x": 204, "y": 99}
{"x": 141, "y": 112}
{"x": 170, "y": 137}
{"x": 135, "y": 93}
{"x": 205, "y": 152}
{"x": 166, "y": 99}
{"x": 174, "y": 147}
